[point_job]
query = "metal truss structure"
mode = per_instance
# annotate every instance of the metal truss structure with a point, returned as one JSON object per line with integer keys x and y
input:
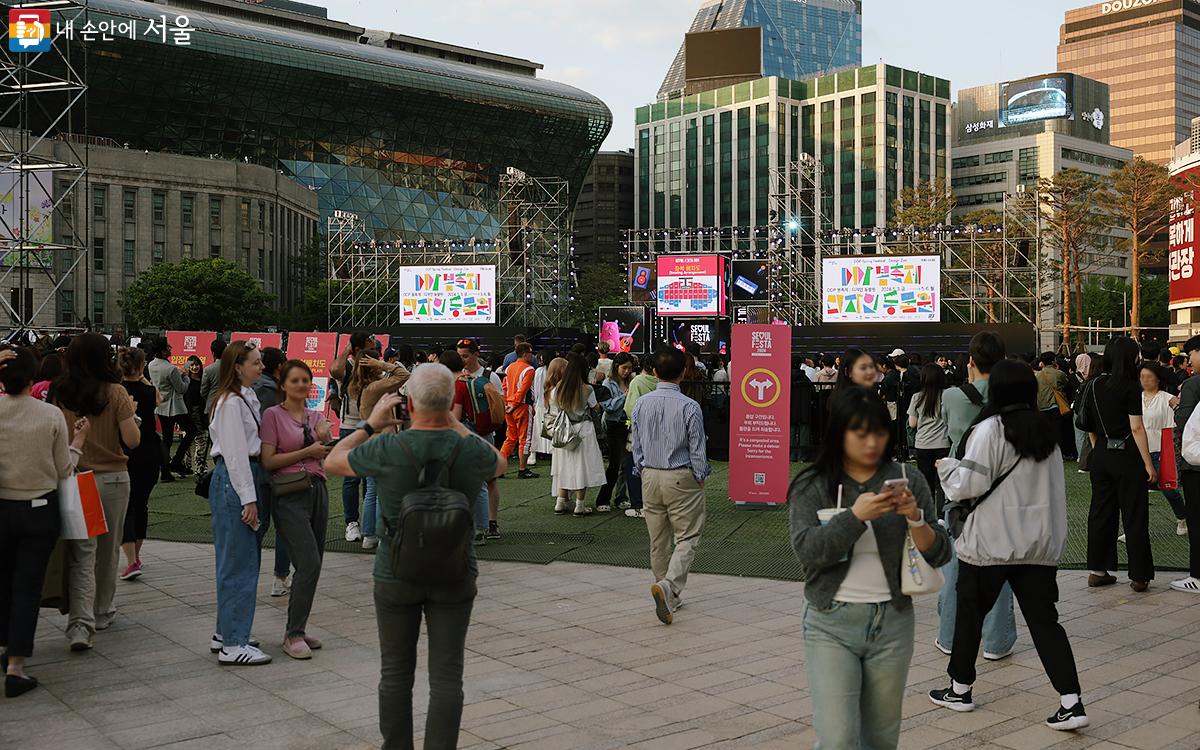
{"x": 533, "y": 255}
{"x": 40, "y": 242}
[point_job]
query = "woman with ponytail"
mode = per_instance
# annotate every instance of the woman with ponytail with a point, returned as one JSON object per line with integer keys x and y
{"x": 1010, "y": 484}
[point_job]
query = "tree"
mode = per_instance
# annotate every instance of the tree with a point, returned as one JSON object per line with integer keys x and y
{"x": 1072, "y": 222}
{"x": 599, "y": 284}
{"x": 1138, "y": 201}
{"x": 1104, "y": 298}
{"x": 309, "y": 274}
{"x": 197, "y": 295}
{"x": 927, "y": 205}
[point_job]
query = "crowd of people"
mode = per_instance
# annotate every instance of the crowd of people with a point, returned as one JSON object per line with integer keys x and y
{"x": 919, "y": 470}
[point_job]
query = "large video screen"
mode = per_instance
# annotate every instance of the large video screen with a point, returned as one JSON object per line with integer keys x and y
{"x": 643, "y": 281}
{"x": 626, "y": 329}
{"x": 1034, "y": 99}
{"x": 448, "y": 294}
{"x": 749, "y": 281}
{"x": 866, "y": 289}
{"x": 691, "y": 285}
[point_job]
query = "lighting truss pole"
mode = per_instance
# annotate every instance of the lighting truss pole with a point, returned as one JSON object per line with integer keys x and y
{"x": 41, "y": 244}
{"x": 794, "y": 253}
{"x": 353, "y": 279}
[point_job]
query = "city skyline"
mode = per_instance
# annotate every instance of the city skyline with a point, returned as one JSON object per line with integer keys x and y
{"x": 619, "y": 50}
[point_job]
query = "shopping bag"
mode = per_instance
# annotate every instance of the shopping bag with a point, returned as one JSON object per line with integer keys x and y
{"x": 80, "y": 508}
{"x": 1168, "y": 477}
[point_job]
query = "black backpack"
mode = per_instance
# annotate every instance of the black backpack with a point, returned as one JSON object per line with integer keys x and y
{"x": 431, "y": 540}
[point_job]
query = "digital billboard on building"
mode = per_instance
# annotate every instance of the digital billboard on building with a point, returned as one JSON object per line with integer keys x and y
{"x": 1058, "y": 102}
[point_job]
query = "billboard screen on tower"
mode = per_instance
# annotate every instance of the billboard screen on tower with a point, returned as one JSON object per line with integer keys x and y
{"x": 691, "y": 285}
{"x": 1033, "y": 99}
{"x": 448, "y": 294}
{"x": 893, "y": 288}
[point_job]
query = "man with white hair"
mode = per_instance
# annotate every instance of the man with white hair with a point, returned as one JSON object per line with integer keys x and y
{"x": 434, "y": 440}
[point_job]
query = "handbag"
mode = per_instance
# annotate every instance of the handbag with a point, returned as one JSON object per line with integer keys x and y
{"x": 564, "y": 433}
{"x": 1168, "y": 477}
{"x": 290, "y": 484}
{"x": 80, "y": 508}
{"x": 917, "y": 576}
{"x": 1064, "y": 407}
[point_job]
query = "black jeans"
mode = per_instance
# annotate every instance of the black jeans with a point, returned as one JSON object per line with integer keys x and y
{"x": 168, "y": 437}
{"x": 1191, "y": 499}
{"x": 1119, "y": 485}
{"x": 27, "y": 537}
{"x": 301, "y": 520}
{"x": 447, "y": 611}
{"x": 143, "y": 475}
{"x": 927, "y": 459}
{"x": 1036, "y": 589}
{"x": 617, "y": 432}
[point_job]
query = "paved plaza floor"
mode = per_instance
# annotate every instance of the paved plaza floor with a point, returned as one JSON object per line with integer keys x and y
{"x": 570, "y": 656}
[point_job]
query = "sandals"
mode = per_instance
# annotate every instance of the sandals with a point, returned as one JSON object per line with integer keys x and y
{"x": 583, "y": 511}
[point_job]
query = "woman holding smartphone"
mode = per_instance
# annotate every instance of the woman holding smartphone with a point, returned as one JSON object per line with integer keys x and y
{"x": 293, "y": 446}
{"x": 851, "y": 513}
{"x": 237, "y": 479}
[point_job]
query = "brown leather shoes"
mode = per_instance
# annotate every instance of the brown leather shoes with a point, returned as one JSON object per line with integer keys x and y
{"x": 1095, "y": 581}
{"x": 1139, "y": 586}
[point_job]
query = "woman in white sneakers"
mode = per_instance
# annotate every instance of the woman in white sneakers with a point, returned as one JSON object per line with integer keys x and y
{"x": 237, "y": 479}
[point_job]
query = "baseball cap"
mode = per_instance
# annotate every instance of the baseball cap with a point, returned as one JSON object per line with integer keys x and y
{"x": 897, "y": 353}
{"x": 468, "y": 343}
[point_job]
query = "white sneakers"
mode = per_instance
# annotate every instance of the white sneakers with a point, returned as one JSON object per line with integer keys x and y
{"x": 370, "y": 542}
{"x": 243, "y": 656}
{"x": 353, "y": 533}
{"x": 1189, "y": 584}
{"x": 216, "y": 643}
{"x": 281, "y": 586}
{"x": 1181, "y": 528}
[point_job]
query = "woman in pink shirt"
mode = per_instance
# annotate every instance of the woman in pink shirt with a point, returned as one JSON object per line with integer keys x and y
{"x": 293, "y": 446}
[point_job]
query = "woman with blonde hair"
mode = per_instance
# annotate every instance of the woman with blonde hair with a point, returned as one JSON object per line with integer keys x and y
{"x": 233, "y": 498}
{"x": 577, "y": 465}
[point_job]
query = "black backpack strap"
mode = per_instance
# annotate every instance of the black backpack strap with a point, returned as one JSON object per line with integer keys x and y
{"x": 972, "y": 393}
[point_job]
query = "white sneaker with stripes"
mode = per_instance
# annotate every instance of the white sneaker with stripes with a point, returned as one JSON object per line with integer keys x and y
{"x": 245, "y": 656}
{"x": 1189, "y": 584}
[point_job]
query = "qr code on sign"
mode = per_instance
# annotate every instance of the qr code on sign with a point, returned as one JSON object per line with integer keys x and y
{"x": 760, "y": 340}
{"x": 760, "y": 478}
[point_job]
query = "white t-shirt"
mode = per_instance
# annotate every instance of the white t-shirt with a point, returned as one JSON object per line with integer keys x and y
{"x": 865, "y": 582}
{"x": 1157, "y": 415}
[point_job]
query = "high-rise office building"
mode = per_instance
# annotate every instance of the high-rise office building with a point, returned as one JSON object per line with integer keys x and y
{"x": 800, "y": 38}
{"x": 1148, "y": 52}
{"x": 605, "y": 207}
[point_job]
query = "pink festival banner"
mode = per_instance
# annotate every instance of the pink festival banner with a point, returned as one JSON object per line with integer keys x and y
{"x": 261, "y": 340}
{"x": 760, "y": 413}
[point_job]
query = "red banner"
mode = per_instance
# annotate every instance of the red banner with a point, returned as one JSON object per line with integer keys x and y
{"x": 261, "y": 340}
{"x": 1184, "y": 276}
{"x": 317, "y": 350}
{"x": 186, "y": 344}
{"x": 760, "y": 413}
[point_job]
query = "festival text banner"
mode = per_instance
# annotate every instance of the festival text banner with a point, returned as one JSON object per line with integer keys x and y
{"x": 874, "y": 289}
{"x": 317, "y": 350}
{"x": 186, "y": 344}
{"x": 759, "y": 413}
{"x": 448, "y": 294}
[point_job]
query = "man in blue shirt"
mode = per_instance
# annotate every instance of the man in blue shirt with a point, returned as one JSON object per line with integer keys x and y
{"x": 669, "y": 455}
{"x": 512, "y": 356}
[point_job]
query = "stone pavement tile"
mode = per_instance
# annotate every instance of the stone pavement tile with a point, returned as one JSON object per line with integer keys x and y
{"x": 925, "y": 736}
{"x": 685, "y": 740}
{"x": 185, "y": 727}
{"x": 585, "y": 710}
{"x": 209, "y": 742}
{"x": 509, "y": 728}
{"x": 1152, "y": 736}
{"x": 1187, "y": 717}
{"x": 1033, "y": 737}
{"x": 1169, "y": 686}
{"x": 266, "y": 733}
{"x": 969, "y": 722}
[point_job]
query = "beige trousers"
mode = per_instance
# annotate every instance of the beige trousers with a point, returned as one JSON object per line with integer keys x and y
{"x": 674, "y": 511}
{"x": 92, "y": 563}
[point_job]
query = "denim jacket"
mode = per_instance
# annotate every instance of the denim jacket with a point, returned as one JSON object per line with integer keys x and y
{"x": 614, "y": 406}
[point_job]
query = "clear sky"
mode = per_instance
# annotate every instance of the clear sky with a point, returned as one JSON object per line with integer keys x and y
{"x": 619, "y": 50}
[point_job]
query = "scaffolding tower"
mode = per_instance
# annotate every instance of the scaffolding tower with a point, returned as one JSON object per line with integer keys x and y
{"x": 41, "y": 244}
{"x": 532, "y": 253}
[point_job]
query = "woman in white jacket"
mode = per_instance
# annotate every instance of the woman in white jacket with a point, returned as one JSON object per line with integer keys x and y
{"x": 1012, "y": 473}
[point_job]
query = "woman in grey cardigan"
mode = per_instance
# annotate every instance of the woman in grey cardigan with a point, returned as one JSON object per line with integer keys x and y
{"x": 848, "y": 531}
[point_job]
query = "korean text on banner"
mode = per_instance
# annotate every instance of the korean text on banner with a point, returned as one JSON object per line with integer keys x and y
{"x": 759, "y": 414}
{"x": 317, "y": 350}
{"x": 186, "y": 344}
{"x": 261, "y": 340}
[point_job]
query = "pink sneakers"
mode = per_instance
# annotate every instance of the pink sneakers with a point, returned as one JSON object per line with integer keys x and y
{"x": 133, "y": 571}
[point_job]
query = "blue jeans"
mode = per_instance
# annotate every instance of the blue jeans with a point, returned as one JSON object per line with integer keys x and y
{"x": 235, "y": 546}
{"x": 633, "y": 483}
{"x": 857, "y": 657}
{"x": 1173, "y": 496}
{"x": 481, "y": 508}
{"x": 1000, "y": 625}
{"x": 350, "y": 487}
{"x": 283, "y": 563}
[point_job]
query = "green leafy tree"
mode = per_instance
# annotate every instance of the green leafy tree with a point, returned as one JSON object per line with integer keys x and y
{"x": 310, "y": 274}
{"x": 599, "y": 285}
{"x": 926, "y": 205}
{"x": 1104, "y": 298}
{"x": 1072, "y": 223}
{"x": 197, "y": 295}
{"x": 1138, "y": 201}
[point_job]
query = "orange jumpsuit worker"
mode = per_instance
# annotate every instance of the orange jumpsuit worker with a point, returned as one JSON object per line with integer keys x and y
{"x": 518, "y": 379}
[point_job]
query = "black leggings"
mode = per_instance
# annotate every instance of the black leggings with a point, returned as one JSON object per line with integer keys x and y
{"x": 617, "y": 432}
{"x": 927, "y": 459}
{"x": 27, "y": 537}
{"x": 143, "y": 475}
{"x": 168, "y": 437}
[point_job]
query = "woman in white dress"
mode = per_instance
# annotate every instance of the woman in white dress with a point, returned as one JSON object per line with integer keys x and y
{"x": 581, "y": 466}
{"x": 540, "y": 444}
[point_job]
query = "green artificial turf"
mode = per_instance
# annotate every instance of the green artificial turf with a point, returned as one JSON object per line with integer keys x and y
{"x": 736, "y": 541}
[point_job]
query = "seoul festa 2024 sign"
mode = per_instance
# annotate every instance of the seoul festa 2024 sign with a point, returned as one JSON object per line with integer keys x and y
{"x": 881, "y": 289}
{"x": 448, "y": 294}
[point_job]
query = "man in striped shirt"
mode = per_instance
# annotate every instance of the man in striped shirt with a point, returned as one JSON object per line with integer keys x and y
{"x": 670, "y": 457}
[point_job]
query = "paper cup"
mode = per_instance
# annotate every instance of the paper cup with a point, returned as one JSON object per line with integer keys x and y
{"x": 825, "y": 515}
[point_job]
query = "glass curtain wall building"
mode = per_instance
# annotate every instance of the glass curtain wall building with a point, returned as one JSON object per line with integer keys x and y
{"x": 800, "y": 38}
{"x": 412, "y": 143}
{"x": 705, "y": 160}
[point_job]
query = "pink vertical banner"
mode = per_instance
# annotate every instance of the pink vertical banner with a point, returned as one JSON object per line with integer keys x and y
{"x": 186, "y": 344}
{"x": 760, "y": 414}
{"x": 261, "y": 340}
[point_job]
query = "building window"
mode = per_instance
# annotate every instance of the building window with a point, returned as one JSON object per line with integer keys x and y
{"x": 187, "y": 209}
{"x": 188, "y": 250}
{"x": 978, "y": 179}
{"x": 129, "y": 204}
{"x": 214, "y": 251}
{"x": 245, "y": 215}
{"x": 66, "y": 306}
{"x": 998, "y": 157}
{"x": 1070, "y": 154}
{"x": 262, "y": 216}
{"x": 99, "y": 199}
{"x": 129, "y": 258}
{"x": 981, "y": 199}
{"x": 214, "y": 213}
{"x": 159, "y": 252}
{"x": 98, "y": 254}
{"x": 98, "y": 308}
{"x": 262, "y": 264}
{"x": 1027, "y": 164}
{"x": 159, "y": 207}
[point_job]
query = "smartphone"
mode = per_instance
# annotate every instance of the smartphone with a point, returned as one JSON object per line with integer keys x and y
{"x": 895, "y": 486}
